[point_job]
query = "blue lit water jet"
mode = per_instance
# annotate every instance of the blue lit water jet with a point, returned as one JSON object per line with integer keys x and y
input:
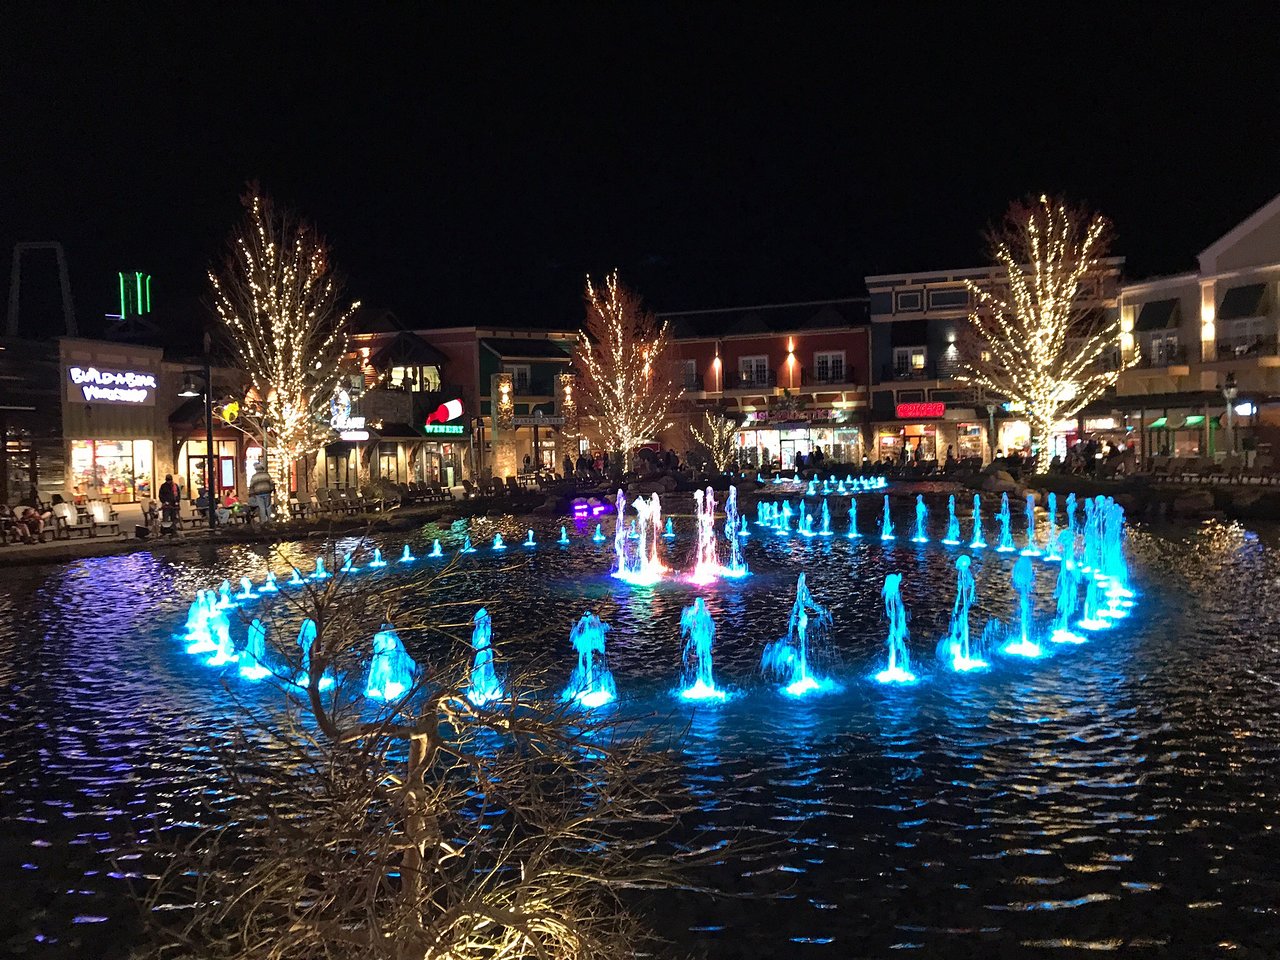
{"x": 1052, "y": 553}
{"x": 307, "y": 639}
{"x": 922, "y": 521}
{"x": 952, "y": 538}
{"x": 1066, "y": 592}
{"x": 269, "y": 584}
{"x": 1092, "y": 618}
{"x": 804, "y": 526}
{"x": 706, "y": 557}
{"x": 886, "y": 522}
{"x": 407, "y": 555}
{"x": 498, "y": 543}
{"x": 296, "y": 579}
{"x": 699, "y": 633}
{"x": 788, "y": 660}
{"x": 977, "y": 542}
{"x": 898, "y": 667}
{"x": 377, "y": 560}
{"x": 348, "y": 564}
{"x": 199, "y": 629}
{"x": 224, "y": 651}
{"x": 466, "y": 545}
{"x": 436, "y": 551}
{"x": 224, "y": 596}
{"x": 254, "y": 653}
{"x": 825, "y": 529}
{"x": 1024, "y": 582}
{"x": 958, "y": 645}
{"x": 1031, "y": 550}
{"x": 737, "y": 565}
{"x": 529, "y": 541}
{"x": 743, "y": 531}
{"x": 1005, "y": 544}
{"x": 598, "y": 536}
{"x": 485, "y": 686}
{"x": 564, "y": 537}
{"x": 670, "y": 532}
{"x": 1071, "y": 514}
{"x": 853, "y": 533}
{"x": 391, "y": 670}
{"x": 812, "y": 489}
{"x": 591, "y": 684}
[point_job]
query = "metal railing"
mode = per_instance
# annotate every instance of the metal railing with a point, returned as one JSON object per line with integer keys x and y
{"x": 740, "y": 380}
{"x": 1166, "y": 356}
{"x": 1248, "y": 347}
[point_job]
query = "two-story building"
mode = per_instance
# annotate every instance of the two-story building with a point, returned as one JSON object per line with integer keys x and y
{"x": 918, "y": 401}
{"x": 1205, "y": 341}
{"x": 796, "y": 374}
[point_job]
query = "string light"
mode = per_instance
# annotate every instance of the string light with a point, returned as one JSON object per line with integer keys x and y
{"x": 718, "y": 436}
{"x": 626, "y": 385}
{"x": 278, "y": 298}
{"x": 1034, "y": 346}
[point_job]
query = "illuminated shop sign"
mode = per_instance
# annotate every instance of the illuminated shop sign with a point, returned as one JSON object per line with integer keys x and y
{"x": 444, "y": 429}
{"x": 114, "y": 386}
{"x": 929, "y": 410}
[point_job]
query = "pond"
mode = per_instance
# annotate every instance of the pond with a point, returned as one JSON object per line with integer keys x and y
{"x": 1120, "y": 794}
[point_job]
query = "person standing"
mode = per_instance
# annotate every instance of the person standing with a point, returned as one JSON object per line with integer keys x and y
{"x": 261, "y": 488}
{"x": 170, "y": 497}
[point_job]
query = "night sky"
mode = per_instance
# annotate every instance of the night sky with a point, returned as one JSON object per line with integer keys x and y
{"x": 471, "y": 168}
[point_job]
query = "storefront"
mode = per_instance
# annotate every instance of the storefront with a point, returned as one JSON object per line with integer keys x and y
{"x": 764, "y": 440}
{"x": 193, "y": 462}
{"x": 121, "y": 471}
{"x": 929, "y": 431}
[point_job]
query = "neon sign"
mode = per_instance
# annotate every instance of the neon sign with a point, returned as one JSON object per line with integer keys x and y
{"x": 113, "y": 386}
{"x": 443, "y": 429}
{"x": 921, "y": 411}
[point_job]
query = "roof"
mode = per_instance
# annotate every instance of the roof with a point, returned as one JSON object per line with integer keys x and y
{"x": 375, "y": 320}
{"x": 1157, "y": 315}
{"x": 1209, "y": 255}
{"x": 531, "y": 349}
{"x": 407, "y": 350}
{"x": 768, "y": 318}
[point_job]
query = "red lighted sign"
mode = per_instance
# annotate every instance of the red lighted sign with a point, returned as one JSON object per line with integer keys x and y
{"x": 921, "y": 411}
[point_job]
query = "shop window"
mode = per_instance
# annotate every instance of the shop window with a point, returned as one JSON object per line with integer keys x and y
{"x": 118, "y": 470}
{"x": 828, "y": 366}
{"x": 193, "y": 462}
{"x": 414, "y": 379}
{"x": 388, "y": 464}
{"x": 519, "y": 376}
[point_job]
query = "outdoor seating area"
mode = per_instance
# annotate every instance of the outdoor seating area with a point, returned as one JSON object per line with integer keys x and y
{"x": 1231, "y": 469}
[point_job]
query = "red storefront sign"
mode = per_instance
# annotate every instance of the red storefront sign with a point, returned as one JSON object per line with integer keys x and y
{"x": 929, "y": 410}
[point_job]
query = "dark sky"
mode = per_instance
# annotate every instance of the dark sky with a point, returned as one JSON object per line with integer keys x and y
{"x": 472, "y": 167}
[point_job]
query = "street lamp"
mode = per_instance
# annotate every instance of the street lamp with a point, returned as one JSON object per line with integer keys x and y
{"x": 991, "y": 430}
{"x": 189, "y": 377}
{"x": 1229, "y": 393}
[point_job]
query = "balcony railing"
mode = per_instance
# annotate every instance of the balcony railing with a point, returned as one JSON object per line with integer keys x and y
{"x": 827, "y": 378}
{"x": 1165, "y": 357}
{"x": 1251, "y": 347}
{"x": 745, "y": 380}
{"x": 693, "y": 382}
{"x": 893, "y": 372}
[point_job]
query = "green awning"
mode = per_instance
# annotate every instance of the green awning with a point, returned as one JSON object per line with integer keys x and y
{"x": 1241, "y": 302}
{"x": 1157, "y": 315}
{"x": 1192, "y": 422}
{"x": 1160, "y": 423}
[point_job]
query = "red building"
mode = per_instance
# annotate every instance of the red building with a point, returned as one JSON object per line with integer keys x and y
{"x": 795, "y": 375}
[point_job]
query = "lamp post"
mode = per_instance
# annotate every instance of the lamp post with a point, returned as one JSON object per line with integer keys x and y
{"x": 189, "y": 390}
{"x": 991, "y": 430}
{"x": 1229, "y": 393}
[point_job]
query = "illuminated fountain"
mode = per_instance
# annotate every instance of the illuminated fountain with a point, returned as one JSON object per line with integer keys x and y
{"x": 254, "y": 653}
{"x": 787, "y": 660}
{"x": 485, "y": 686}
{"x": 699, "y": 634}
{"x": 348, "y": 564}
{"x": 812, "y": 489}
{"x": 200, "y": 619}
{"x": 306, "y": 639}
{"x": 466, "y": 545}
{"x": 224, "y": 596}
{"x": 591, "y": 684}
{"x": 295, "y": 580}
{"x": 1067, "y": 593}
{"x": 957, "y": 646}
{"x": 737, "y": 565}
{"x": 391, "y": 670}
{"x": 407, "y": 556}
{"x": 1093, "y": 617}
{"x": 1024, "y": 582}
{"x": 1052, "y": 554}
{"x": 922, "y": 521}
{"x": 853, "y": 533}
{"x": 707, "y": 560}
{"x": 224, "y": 651}
{"x": 886, "y": 522}
{"x": 498, "y": 543}
{"x": 564, "y": 537}
{"x": 782, "y": 519}
{"x": 1005, "y": 544}
{"x": 743, "y": 531}
{"x": 319, "y": 573}
{"x": 632, "y": 532}
{"x": 762, "y": 513}
{"x": 1031, "y": 550}
{"x": 436, "y": 551}
{"x": 825, "y": 529}
{"x": 1113, "y": 561}
{"x": 805, "y": 525}
{"x": 269, "y": 584}
{"x": 640, "y": 564}
{"x": 598, "y": 536}
{"x": 898, "y": 668}
{"x": 977, "y": 542}
{"x": 529, "y": 541}
{"x": 952, "y": 539}
{"x": 1071, "y": 514}
{"x": 377, "y": 560}
{"x": 670, "y": 532}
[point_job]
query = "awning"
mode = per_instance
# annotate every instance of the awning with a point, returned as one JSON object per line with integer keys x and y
{"x": 1240, "y": 302}
{"x": 531, "y": 349}
{"x": 1157, "y": 315}
{"x": 1160, "y": 423}
{"x": 396, "y": 431}
{"x": 1193, "y": 422}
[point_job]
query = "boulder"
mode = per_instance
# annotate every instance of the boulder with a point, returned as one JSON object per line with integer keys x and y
{"x": 1193, "y": 504}
{"x": 999, "y": 481}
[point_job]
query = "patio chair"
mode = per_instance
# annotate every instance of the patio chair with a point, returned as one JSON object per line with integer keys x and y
{"x": 66, "y": 521}
{"x": 101, "y": 516}
{"x": 1261, "y": 471}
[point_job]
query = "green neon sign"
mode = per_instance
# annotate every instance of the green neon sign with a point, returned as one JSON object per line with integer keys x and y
{"x": 135, "y": 294}
{"x": 443, "y": 429}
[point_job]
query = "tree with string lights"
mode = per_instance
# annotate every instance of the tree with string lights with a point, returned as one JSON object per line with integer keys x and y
{"x": 280, "y": 303}
{"x": 625, "y": 368}
{"x": 717, "y": 435}
{"x": 1031, "y": 340}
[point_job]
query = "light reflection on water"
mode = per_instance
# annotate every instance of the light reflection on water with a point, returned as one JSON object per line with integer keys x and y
{"x": 1118, "y": 793}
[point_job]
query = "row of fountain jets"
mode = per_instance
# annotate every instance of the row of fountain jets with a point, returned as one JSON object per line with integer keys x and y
{"x": 1099, "y": 566}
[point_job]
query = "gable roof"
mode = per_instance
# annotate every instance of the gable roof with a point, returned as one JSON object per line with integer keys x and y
{"x": 407, "y": 350}
{"x": 1209, "y": 255}
{"x": 521, "y": 349}
{"x": 768, "y": 318}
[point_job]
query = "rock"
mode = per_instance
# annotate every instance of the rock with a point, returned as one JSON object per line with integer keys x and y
{"x": 1000, "y": 482}
{"x": 1196, "y": 503}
